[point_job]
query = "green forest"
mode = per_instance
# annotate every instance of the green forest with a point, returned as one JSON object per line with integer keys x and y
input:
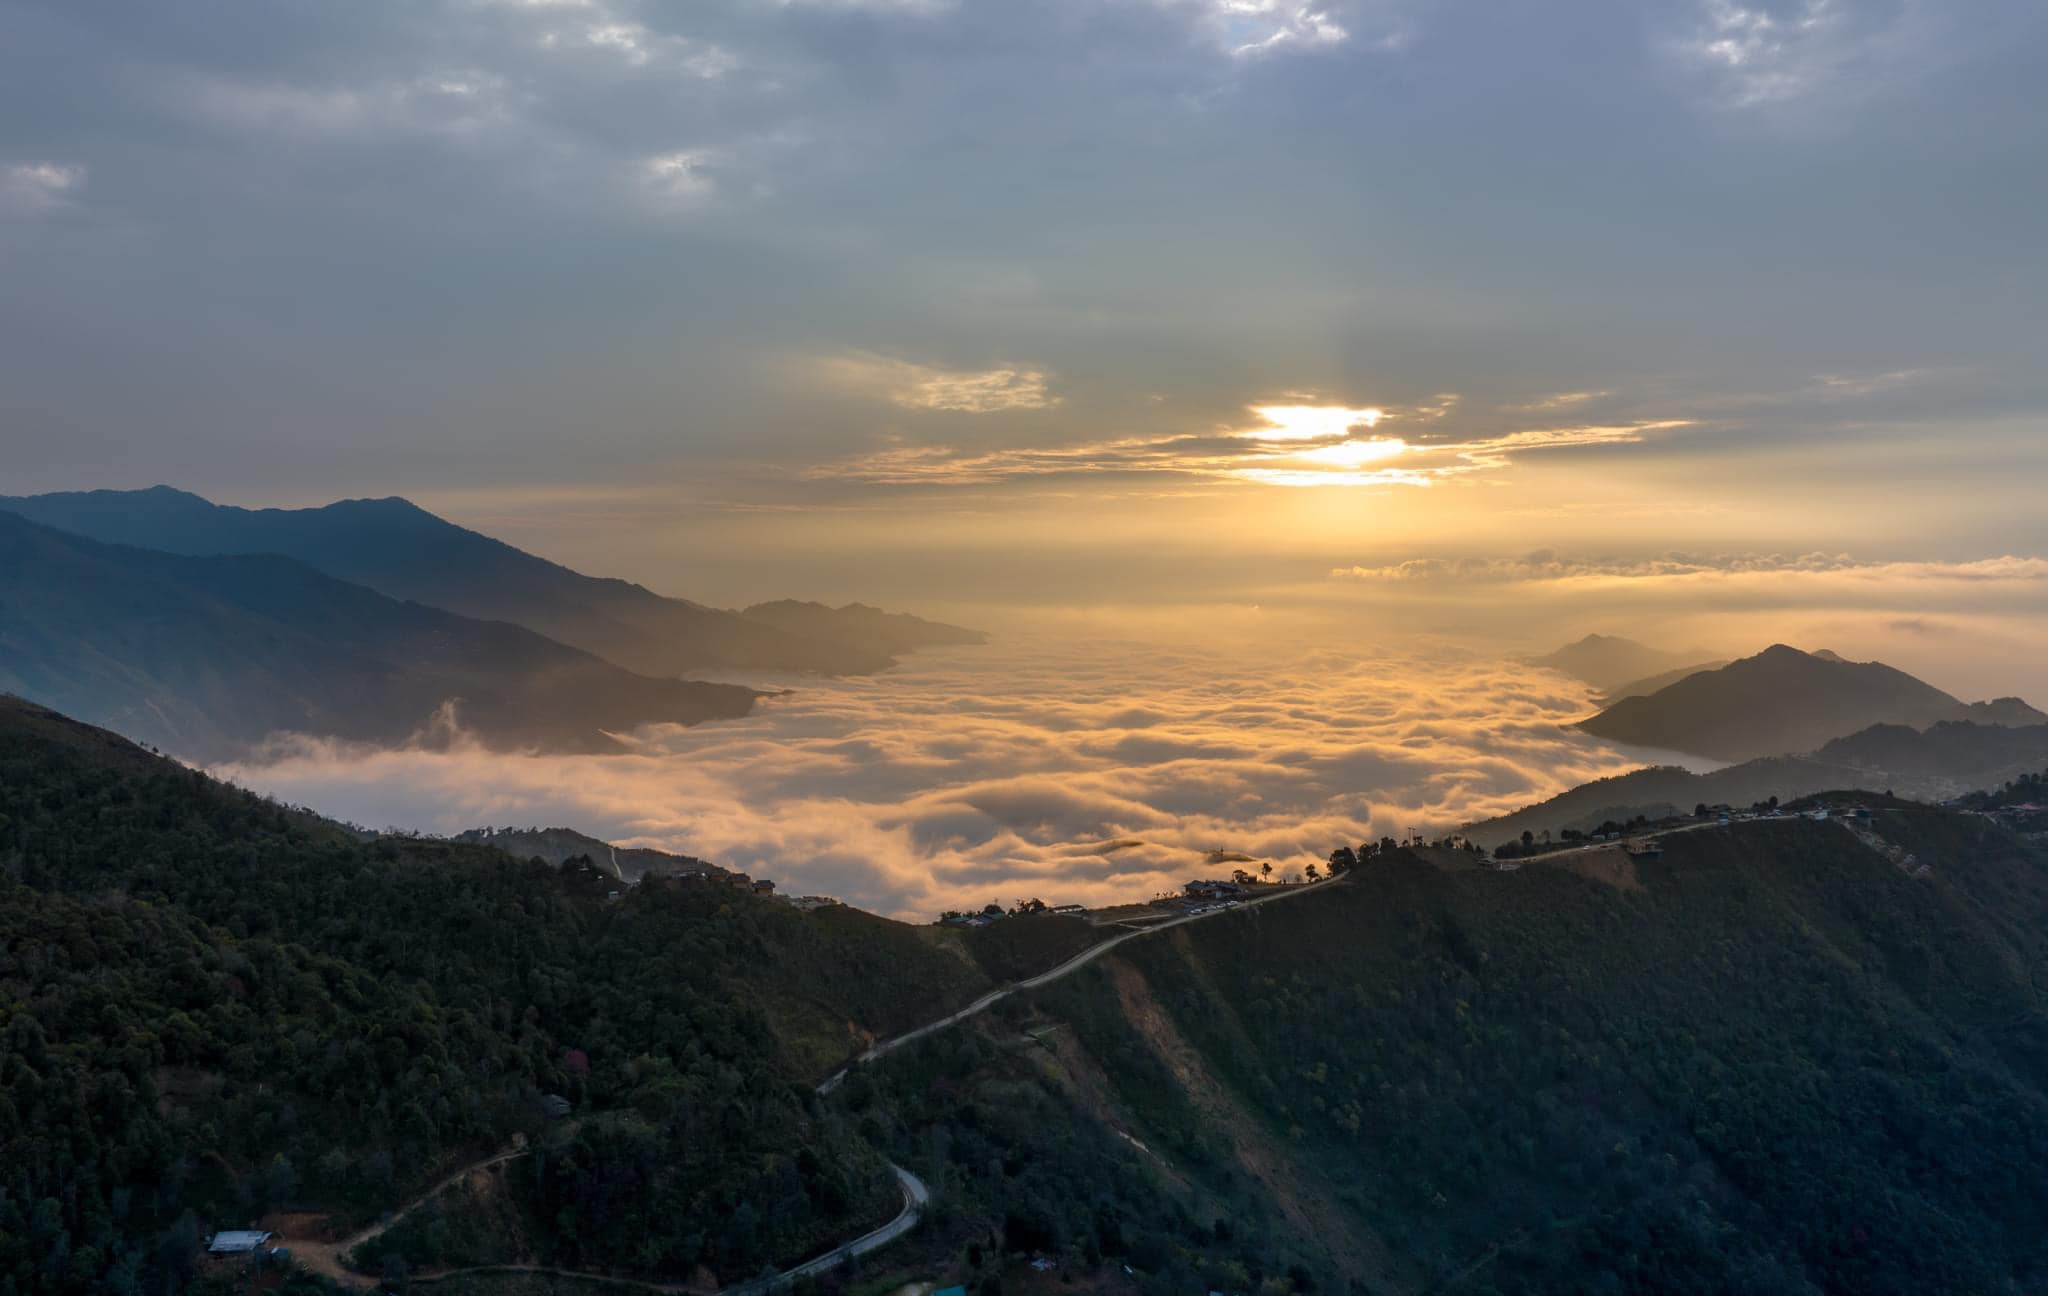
{"x": 1778, "y": 1063}
{"x": 212, "y": 1007}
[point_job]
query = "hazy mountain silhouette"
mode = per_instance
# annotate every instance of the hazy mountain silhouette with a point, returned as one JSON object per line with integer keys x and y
{"x": 1784, "y": 700}
{"x": 1942, "y": 761}
{"x": 1610, "y": 661}
{"x": 206, "y": 656}
{"x": 397, "y": 548}
{"x": 857, "y": 624}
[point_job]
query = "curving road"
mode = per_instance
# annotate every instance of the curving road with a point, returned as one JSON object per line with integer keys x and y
{"x": 1068, "y": 968}
{"x": 325, "y": 1258}
{"x": 915, "y": 1198}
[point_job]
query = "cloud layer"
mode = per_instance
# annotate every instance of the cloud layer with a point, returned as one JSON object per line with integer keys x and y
{"x": 1069, "y": 771}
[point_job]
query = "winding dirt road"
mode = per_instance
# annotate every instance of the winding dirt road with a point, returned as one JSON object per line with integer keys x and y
{"x": 325, "y": 1258}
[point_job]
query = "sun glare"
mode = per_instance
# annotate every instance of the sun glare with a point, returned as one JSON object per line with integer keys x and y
{"x": 1353, "y": 454}
{"x": 1310, "y": 422}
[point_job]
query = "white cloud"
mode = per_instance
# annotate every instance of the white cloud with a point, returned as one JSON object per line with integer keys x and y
{"x": 1252, "y": 28}
{"x": 32, "y": 187}
{"x": 679, "y": 179}
{"x": 1762, "y": 52}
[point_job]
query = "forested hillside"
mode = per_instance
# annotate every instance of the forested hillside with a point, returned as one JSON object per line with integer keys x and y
{"x": 212, "y": 1007}
{"x": 1770, "y": 1061}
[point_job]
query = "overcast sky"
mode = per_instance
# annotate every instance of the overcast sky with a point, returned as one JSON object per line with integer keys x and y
{"x": 867, "y": 297}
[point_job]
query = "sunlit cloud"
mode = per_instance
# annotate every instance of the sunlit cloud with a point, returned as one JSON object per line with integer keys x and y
{"x": 1562, "y": 401}
{"x": 926, "y": 387}
{"x": 1870, "y": 384}
{"x": 1545, "y": 565}
{"x": 1310, "y": 422}
{"x": 1081, "y": 770}
{"x": 1291, "y": 445}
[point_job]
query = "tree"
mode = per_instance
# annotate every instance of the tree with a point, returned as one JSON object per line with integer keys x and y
{"x": 1312, "y": 874}
{"x": 1528, "y": 840}
{"x": 1266, "y": 870}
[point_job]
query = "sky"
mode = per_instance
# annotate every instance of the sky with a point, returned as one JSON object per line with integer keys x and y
{"x": 1077, "y": 300}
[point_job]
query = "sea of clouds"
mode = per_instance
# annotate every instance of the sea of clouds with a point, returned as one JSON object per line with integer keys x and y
{"x": 1073, "y": 768}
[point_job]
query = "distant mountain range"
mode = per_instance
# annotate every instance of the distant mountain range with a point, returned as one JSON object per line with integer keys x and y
{"x": 399, "y": 549}
{"x": 208, "y": 656}
{"x": 1942, "y": 761}
{"x": 1612, "y": 664}
{"x": 1784, "y": 700}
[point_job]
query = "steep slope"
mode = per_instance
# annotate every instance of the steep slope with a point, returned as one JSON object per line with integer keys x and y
{"x": 213, "y": 1009}
{"x": 206, "y": 656}
{"x": 1610, "y": 661}
{"x": 399, "y": 549}
{"x": 1782, "y": 700}
{"x": 1772, "y": 1061}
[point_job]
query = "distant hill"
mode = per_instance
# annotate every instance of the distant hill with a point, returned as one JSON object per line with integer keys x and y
{"x": 560, "y": 845}
{"x": 397, "y": 548}
{"x": 1943, "y": 761}
{"x": 207, "y": 656}
{"x": 1784, "y": 700}
{"x": 1608, "y": 662}
{"x": 867, "y": 628}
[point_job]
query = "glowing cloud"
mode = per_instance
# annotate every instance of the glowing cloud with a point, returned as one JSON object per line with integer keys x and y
{"x": 1061, "y": 767}
{"x": 1310, "y": 422}
{"x": 957, "y": 391}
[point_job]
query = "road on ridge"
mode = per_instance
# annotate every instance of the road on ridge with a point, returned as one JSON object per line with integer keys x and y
{"x": 326, "y": 1257}
{"x": 1068, "y": 968}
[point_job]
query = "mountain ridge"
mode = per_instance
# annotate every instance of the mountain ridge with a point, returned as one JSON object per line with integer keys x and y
{"x": 209, "y": 656}
{"x": 1783, "y": 700}
{"x": 404, "y": 551}
{"x": 1944, "y": 760}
